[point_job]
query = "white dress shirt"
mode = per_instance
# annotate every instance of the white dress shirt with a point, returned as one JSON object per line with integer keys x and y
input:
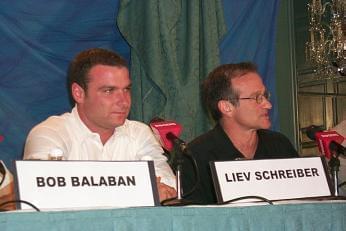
{"x": 131, "y": 141}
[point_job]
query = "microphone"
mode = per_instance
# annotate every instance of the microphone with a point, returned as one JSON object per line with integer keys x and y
{"x": 175, "y": 140}
{"x": 327, "y": 141}
{"x": 167, "y": 133}
{"x": 311, "y": 130}
{"x": 336, "y": 148}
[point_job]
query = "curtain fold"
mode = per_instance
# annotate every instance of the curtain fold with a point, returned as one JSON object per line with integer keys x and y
{"x": 174, "y": 44}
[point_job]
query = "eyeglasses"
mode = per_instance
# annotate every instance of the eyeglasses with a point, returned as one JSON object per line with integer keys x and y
{"x": 259, "y": 98}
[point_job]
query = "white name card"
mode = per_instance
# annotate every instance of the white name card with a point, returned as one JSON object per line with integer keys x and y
{"x": 77, "y": 184}
{"x": 273, "y": 179}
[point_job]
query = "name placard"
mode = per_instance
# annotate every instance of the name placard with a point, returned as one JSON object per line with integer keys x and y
{"x": 77, "y": 184}
{"x": 273, "y": 179}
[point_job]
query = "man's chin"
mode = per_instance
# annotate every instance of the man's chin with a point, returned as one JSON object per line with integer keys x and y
{"x": 266, "y": 125}
{"x": 118, "y": 122}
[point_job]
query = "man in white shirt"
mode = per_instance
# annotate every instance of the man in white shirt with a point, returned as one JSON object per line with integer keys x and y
{"x": 98, "y": 128}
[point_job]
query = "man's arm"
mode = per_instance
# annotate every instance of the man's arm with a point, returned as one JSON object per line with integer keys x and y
{"x": 150, "y": 149}
{"x": 165, "y": 191}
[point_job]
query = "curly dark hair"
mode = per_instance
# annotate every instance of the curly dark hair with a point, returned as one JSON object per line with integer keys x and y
{"x": 218, "y": 85}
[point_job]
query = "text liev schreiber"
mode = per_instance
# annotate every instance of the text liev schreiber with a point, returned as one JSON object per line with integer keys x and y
{"x": 279, "y": 174}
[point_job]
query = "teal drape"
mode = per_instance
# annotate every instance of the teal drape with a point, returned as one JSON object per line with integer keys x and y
{"x": 174, "y": 44}
{"x": 316, "y": 216}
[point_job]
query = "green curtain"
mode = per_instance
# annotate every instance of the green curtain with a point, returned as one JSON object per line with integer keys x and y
{"x": 174, "y": 45}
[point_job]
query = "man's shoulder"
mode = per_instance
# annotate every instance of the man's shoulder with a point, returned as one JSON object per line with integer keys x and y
{"x": 55, "y": 122}
{"x": 207, "y": 141}
{"x": 135, "y": 125}
{"x": 50, "y": 133}
{"x": 135, "y": 129}
{"x": 203, "y": 138}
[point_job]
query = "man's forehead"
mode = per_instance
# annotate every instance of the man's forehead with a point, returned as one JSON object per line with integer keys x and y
{"x": 102, "y": 71}
{"x": 247, "y": 79}
{"x": 249, "y": 83}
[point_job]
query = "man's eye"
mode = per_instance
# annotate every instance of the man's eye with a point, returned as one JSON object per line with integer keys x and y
{"x": 108, "y": 91}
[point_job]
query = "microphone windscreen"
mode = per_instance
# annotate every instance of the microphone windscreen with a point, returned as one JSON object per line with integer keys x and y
{"x": 337, "y": 148}
{"x": 312, "y": 130}
{"x": 325, "y": 138}
{"x": 162, "y": 128}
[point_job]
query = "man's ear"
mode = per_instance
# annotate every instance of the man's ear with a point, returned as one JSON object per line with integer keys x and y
{"x": 78, "y": 93}
{"x": 225, "y": 107}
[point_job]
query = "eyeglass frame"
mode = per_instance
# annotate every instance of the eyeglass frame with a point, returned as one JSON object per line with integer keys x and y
{"x": 258, "y": 98}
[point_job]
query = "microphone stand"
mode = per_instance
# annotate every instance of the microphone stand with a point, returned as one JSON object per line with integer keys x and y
{"x": 178, "y": 181}
{"x": 334, "y": 164}
{"x": 178, "y": 201}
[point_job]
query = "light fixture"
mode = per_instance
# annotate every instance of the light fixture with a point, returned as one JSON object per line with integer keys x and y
{"x": 326, "y": 48}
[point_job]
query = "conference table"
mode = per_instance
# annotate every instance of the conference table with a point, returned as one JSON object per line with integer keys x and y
{"x": 296, "y": 215}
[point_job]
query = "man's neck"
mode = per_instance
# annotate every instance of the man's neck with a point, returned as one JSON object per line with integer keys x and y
{"x": 105, "y": 136}
{"x": 245, "y": 140}
{"x": 104, "y": 133}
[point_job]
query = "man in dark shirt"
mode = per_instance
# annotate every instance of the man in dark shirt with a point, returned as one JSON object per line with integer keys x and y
{"x": 237, "y": 99}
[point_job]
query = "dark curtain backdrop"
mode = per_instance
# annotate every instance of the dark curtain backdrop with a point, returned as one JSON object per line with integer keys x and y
{"x": 38, "y": 39}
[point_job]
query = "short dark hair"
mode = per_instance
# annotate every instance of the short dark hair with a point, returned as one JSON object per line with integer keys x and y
{"x": 218, "y": 85}
{"x": 80, "y": 66}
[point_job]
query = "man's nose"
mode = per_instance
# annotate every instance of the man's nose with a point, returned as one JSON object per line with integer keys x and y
{"x": 123, "y": 98}
{"x": 267, "y": 104}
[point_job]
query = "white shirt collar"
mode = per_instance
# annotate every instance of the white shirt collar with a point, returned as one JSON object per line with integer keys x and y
{"x": 118, "y": 131}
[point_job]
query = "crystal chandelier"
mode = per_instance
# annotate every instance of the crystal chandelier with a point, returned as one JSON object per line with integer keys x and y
{"x": 326, "y": 48}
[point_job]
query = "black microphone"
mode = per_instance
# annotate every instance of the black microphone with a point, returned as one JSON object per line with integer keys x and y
{"x": 176, "y": 140}
{"x": 311, "y": 131}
